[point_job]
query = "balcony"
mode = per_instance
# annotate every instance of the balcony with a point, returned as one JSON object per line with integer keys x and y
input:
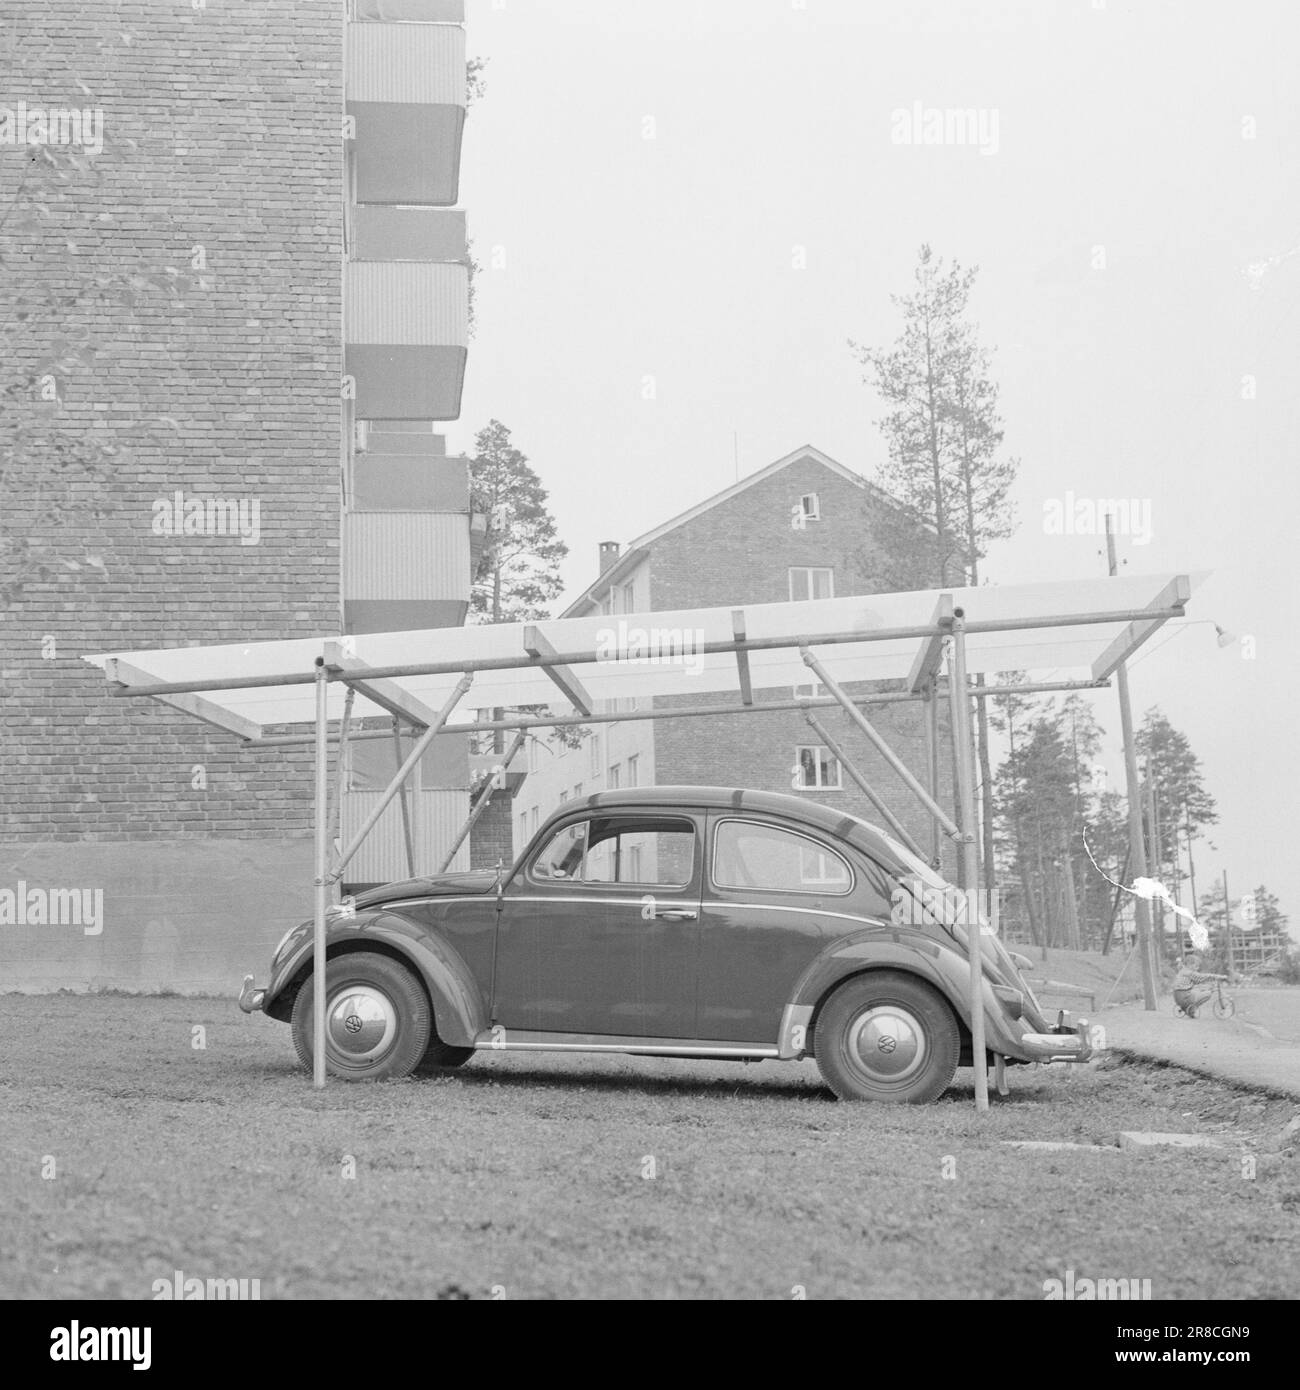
{"x": 405, "y": 89}
{"x": 381, "y": 233}
{"x": 418, "y": 11}
{"x": 406, "y": 331}
{"x": 404, "y": 570}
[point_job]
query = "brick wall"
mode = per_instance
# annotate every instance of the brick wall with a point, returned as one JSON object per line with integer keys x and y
{"x": 492, "y": 837}
{"x": 741, "y": 551}
{"x": 221, "y": 163}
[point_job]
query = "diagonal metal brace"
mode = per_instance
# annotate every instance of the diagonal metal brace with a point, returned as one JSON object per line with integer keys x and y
{"x": 950, "y": 827}
{"x": 399, "y": 780}
{"x": 894, "y": 823}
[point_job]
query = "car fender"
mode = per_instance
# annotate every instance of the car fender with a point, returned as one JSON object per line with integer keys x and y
{"x": 459, "y": 1009}
{"x": 885, "y": 948}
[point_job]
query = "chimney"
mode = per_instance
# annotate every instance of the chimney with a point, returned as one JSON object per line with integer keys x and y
{"x": 608, "y": 554}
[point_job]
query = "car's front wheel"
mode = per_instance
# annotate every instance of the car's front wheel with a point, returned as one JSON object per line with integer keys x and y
{"x": 887, "y": 1036}
{"x": 377, "y": 1018}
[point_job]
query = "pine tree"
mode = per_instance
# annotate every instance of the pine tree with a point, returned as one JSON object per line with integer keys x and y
{"x": 944, "y": 436}
{"x": 518, "y": 571}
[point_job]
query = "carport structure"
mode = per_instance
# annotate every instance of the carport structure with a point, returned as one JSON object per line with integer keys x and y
{"x": 926, "y": 645}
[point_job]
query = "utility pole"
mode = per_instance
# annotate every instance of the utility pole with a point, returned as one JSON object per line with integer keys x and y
{"x": 1227, "y": 923}
{"x": 1137, "y": 850}
{"x": 1191, "y": 865}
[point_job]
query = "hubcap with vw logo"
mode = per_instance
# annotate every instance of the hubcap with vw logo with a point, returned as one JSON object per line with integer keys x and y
{"x": 888, "y": 1043}
{"x": 361, "y": 1022}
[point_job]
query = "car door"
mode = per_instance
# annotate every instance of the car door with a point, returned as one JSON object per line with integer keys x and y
{"x": 774, "y": 897}
{"x": 599, "y": 927}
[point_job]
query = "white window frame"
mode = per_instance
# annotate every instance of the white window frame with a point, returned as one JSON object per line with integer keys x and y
{"x": 806, "y": 573}
{"x": 633, "y": 769}
{"x": 810, "y": 506}
{"x": 596, "y": 761}
{"x": 819, "y": 786}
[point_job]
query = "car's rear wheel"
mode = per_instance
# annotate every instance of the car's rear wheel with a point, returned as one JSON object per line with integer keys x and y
{"x": 377, "y": 1018}
{"x": 887, "y": 1036}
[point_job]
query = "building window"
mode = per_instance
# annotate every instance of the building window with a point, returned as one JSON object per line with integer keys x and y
{"x": 816, "y": 768}
{"x": 607, "y": 603}
{"x": 595, "y": 753}
{"x": 534, "y": 816}
{"x": 629, "y": 598}
{"x": 633, "y": 764}
{"x": 814, "y": 690}
{"x": 812, "y": 583}
{"x": 523, "y": 827}
{"x": 615, "y": 773}
{"x": 577, "y": 791}
{"x": 809, "y": 507}
{"x": 564, "y": 796}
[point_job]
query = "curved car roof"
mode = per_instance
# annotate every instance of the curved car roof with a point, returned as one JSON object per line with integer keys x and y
{"x": 796, "y": 808}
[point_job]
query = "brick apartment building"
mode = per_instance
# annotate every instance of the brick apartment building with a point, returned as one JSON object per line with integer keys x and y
{"x": 802, "y": 527}
{"x": 300, "y": 163}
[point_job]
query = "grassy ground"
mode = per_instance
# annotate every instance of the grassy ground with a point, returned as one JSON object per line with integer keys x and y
{"x": 530, "y": 1174}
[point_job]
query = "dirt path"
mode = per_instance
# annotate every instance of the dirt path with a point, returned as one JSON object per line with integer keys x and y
{"x": 1259, "y": 1047}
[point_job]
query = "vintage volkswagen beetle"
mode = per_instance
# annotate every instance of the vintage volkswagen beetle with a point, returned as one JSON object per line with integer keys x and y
{"x": 670, "y": 921}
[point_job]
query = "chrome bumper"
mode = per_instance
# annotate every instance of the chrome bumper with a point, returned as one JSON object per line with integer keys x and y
{"x": 251, "y": 998}
{"x": 1070, "y": 1044}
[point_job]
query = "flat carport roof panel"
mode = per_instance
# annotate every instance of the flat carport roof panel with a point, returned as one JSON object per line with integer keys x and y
{"x": 1071, "y": 648}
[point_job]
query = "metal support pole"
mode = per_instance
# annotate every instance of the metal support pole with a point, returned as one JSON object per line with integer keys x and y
{"x": 321, "y": 883}
{"x": 402, "y": 798}
{"x": 480, "y": 805}
{"x": 932, "y": 751}
{"x": 1133, "y": 788}
{"x": 969, "y": 853}
{"x": 1191, "y": 869}
{"x": 1227, "y": 923}
{"x": 894, "y": 823}
{"x": 341, "y": 773}
{"x": 885, "y": 751}
{"x": 390, "y": 791}
{"x": 560, "y": 721}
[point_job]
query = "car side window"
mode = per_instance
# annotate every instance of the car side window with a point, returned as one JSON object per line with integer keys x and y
{"x": 748, "y": 854}
{"x": 653, "y": 851}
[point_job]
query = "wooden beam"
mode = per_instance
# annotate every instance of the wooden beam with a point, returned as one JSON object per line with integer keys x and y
{"x": 1174, "y": 595}
{"x": 536, "y": 645}
{"x": 228, "y": 722}
{"x": 742, "y": 657}
{"x": 930, "y": 657}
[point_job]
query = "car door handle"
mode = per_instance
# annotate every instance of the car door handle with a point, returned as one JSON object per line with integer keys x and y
{"x": 676, "y": 914}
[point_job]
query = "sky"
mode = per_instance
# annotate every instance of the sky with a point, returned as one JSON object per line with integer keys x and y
{"x": 684, "y": 212}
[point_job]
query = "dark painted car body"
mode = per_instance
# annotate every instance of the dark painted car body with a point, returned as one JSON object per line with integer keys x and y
{"x": 704, "y": 965}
